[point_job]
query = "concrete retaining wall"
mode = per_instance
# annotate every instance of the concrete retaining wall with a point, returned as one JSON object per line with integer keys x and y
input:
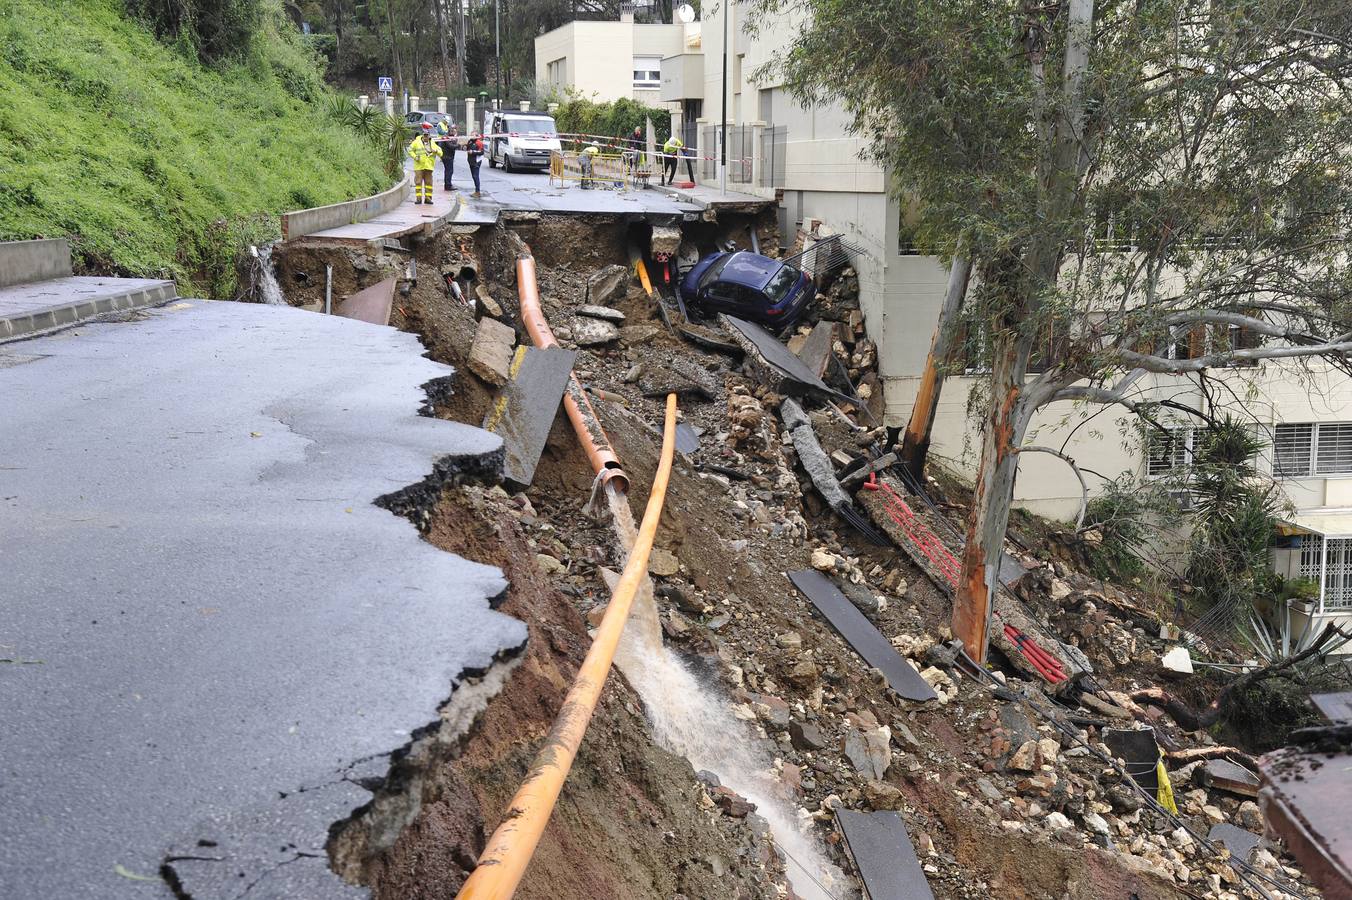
{"x": 25, "y": 261}
{"x": 308, "y": 221}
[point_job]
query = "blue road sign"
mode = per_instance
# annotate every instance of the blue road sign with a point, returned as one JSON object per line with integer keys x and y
{"x": 386, "y": 84}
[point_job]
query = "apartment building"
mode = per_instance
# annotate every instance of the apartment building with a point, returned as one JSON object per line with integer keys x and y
{"x": 824, "y": 181}
{"x": 607, "y": 60}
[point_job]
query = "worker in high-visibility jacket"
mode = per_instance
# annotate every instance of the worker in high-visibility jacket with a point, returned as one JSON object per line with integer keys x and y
{"x": 671, "y": 154}
{"x": 424, "y": 154}
{"x": 587, "y": 159}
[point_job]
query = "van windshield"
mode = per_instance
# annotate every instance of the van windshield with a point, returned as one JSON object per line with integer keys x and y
{"x": 531, "y": 126}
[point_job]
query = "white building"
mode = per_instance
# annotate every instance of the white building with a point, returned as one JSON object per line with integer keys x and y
{"x": 607, "y": 60}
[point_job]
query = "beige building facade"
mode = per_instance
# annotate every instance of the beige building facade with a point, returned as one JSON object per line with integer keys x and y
{"x": 605, "y": 61}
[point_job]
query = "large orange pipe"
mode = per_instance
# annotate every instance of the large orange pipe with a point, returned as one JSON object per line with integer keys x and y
{"x": 509, "y": 850}
{"x": 586, "y": 423}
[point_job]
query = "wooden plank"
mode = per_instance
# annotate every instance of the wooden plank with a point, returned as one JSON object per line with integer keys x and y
{"x": 883, "y": 854}
{"x": 861, "y": 635}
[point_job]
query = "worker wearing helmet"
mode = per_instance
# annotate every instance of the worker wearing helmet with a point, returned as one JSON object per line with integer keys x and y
{"x": 424, "y": 154}
{"x": 447, "y": 138}
{"x": 588, "y": 159}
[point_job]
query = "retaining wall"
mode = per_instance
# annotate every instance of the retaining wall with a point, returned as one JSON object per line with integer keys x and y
{"x": 25, "y": 261}
{"x": 308, "y": 221}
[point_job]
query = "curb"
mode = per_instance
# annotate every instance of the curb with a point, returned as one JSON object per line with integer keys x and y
{"x": 33, "y": 323}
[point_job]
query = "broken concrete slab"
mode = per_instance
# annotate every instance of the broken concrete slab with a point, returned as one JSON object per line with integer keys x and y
{"x": 1304, "y": 800}
{"x": 683, "y": 377}
{"x": 593, "y": 332}
{"x": 1336, "y": 707}
{"x": 816, "y": 352}
{"x": 372, "y": 304}
{"x": 490, "y": 355}
{"x": 779, "y": 369}
{"x": 1225, "y": 775}
{"x": 606, "y": 313}
{"x": 1177, "y": 661}
{"x": 524, "y": 411}
{"x": 862, "y": 636}
{"x": 607, "y": 285}
{"x": 811, "y": 455}
{"x": 883, "y": 854}
{"x": 1238, "y": 841}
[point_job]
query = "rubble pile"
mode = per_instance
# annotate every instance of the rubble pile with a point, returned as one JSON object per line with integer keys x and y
{"x": 998, "y": 801}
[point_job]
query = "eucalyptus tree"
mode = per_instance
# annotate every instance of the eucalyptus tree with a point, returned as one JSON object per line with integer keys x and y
{"x": 1139, "y": 186}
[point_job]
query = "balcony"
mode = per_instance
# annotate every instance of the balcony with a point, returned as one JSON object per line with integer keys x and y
{"x": 683, "y": 77}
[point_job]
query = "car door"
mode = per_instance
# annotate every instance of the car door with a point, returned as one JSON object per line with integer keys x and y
{"x": 722, "y": 296}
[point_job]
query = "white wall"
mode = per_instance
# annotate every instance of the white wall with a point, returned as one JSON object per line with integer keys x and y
{"x": 600, "y": 56}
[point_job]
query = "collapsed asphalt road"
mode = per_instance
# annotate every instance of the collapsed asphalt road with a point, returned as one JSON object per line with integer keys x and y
{"x": 212, "y": 636}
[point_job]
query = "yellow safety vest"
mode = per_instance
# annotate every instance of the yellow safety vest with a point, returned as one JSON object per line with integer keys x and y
{"x": 672, "y": 145}
{"x": 424, "y": 156}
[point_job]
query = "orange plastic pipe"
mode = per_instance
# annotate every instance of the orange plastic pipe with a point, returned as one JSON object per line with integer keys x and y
{"x": 509, "y": 850}
{"x": 600, "y": 454}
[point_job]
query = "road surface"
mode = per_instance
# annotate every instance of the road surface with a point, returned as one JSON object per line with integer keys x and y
{"x": 211, "y": 632}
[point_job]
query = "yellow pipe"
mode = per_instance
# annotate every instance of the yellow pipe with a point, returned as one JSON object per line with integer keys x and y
{"x": 509, "y": 850}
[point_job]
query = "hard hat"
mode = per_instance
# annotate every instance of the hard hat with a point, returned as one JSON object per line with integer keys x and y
{"x": 427, "y": 126}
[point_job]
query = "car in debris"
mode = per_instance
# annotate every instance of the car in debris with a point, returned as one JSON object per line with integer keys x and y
{"x": 749, "y": 286}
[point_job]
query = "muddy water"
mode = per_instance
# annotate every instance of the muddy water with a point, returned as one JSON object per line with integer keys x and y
{"x": 691, "y": 719}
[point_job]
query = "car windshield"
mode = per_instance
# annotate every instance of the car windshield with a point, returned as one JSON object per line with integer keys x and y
{"x": 531, "y": 126}
{"x": 711, "y": 274}
{"x": 780, "y": 283}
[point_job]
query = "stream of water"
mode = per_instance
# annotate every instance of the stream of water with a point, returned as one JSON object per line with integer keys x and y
{"x": 691, "y": 719}
{"x": 265, "y": 279}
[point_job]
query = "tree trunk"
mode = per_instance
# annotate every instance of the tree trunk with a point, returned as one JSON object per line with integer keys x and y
{"x": 394, "y": 46}
{"x": 441, "y": 44}
{"x": 460, "y": 19}
{"x": 915, "y": 444}
{"x": 994, "y": 493}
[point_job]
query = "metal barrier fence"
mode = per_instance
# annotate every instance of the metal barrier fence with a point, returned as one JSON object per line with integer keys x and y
{"x": 773, "y": 152}
{"x": 741, "y": 148}
{"x": 607, "y": 171}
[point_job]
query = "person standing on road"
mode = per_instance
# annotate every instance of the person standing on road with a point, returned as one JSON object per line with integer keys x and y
{"x": 636, "y": 146}
{"x": 671, "y": 152}
{"x": 424, "y": 154}
{"x": 588, "y": 159}
{"x": 474, "y": 154}
{"x": 448, "y": 137}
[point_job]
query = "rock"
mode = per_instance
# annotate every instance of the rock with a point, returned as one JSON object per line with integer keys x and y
{"x": 663, "y": 563}
{"x": 864, "y": 599}
{"x": 596, "y": 614}
{"x": 882, "y": 796}
{"x": 490, "y": 355}
{"x": 1097, "y": 824}
{"x": 487, "y": 305}
{"x": 943, "y": 685}
{"x": 608, "y": 284}
{"x": 824, "y": 560}
{"x": 591, "y": 332}
{"x": 790, "y": 640}
{"x": 1249, "y": 817}
{"x": 913, "y": 646}
{"x": 870, "y": 752}
{"x": 732, "y": 804}
{"x": 1024, "y": 758}
{"x": 772, "y": 709}
{"x": 803, "y": 674}
{"x": 1177, "y": 660}
{"x": 1047, "y": 751}
{"x": 606, "y": 313}
{"x": 989, "y": 791}
{"x": 679, "y": 598}
{"x": 792, "y": 776}
{"x": 1056, "y": 821}
{"x": 806, "y": 736}
{"x": 634, "y": 373}
{"x": 1059, "y": 590}
{"x": 717, "y": 622}
{"x": 548, "y": 564}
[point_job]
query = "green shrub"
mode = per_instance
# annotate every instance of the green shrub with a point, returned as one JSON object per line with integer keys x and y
{"x": 152, "y": 163}
{"x": 617, "y": 119}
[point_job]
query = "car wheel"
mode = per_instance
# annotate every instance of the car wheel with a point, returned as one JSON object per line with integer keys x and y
{"x": 507, "y": 163}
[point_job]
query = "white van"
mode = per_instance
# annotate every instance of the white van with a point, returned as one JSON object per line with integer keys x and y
{"x": 520, "y": 140}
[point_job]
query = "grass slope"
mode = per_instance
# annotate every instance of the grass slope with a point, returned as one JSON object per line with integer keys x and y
{"x": 152, "y": 164}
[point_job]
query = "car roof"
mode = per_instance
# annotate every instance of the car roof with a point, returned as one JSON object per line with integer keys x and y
{"x": 749, "y": 269}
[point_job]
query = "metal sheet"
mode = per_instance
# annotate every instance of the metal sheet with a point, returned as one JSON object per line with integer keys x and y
{"x": 860, "y": 634}
{"x": 1337, "y": 708}
{"x": 1238, "y": 841}
{"x": 883, "y": 853}
{"x": 371, "y": 304}
{"x": 525, "y": 409}
{"x": 687, "y": 441}
{"x": 1228, "y": 776}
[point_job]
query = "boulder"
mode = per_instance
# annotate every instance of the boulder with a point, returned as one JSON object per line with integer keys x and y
{"x": 870, "y": 752}
{"x": 662, "y": 563}
{"x": 806, "y": 736}
{"x": 591, "y": 332}
{"x": 608, "y": 284}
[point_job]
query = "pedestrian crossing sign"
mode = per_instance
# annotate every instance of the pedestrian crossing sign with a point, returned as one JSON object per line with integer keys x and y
{"x": 386, "y": 84}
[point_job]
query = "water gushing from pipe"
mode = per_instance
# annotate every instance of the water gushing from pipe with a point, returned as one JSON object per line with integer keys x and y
{"x": 688, "y": 718}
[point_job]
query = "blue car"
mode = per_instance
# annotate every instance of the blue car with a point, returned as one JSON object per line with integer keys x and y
{"x": 748, "y": 286}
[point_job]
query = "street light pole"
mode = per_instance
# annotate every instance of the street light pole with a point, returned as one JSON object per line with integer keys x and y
{"x": 497, "y": 45}
{"x": 723, "y": 124}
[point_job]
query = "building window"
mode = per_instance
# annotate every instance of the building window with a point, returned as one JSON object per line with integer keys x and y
{"x": 647, "y": 71}
{"x": 1336, "y": 576}
{"x": 1303, "y": 450}
{"x": 1168, "y": 452}
{"x": 556, "y": 71}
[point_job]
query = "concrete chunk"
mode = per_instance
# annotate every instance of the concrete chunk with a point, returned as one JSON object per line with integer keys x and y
{"x": 606, "y": 313}
{"x": 490, "y": 356}
{"x": 608, "y": 284}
